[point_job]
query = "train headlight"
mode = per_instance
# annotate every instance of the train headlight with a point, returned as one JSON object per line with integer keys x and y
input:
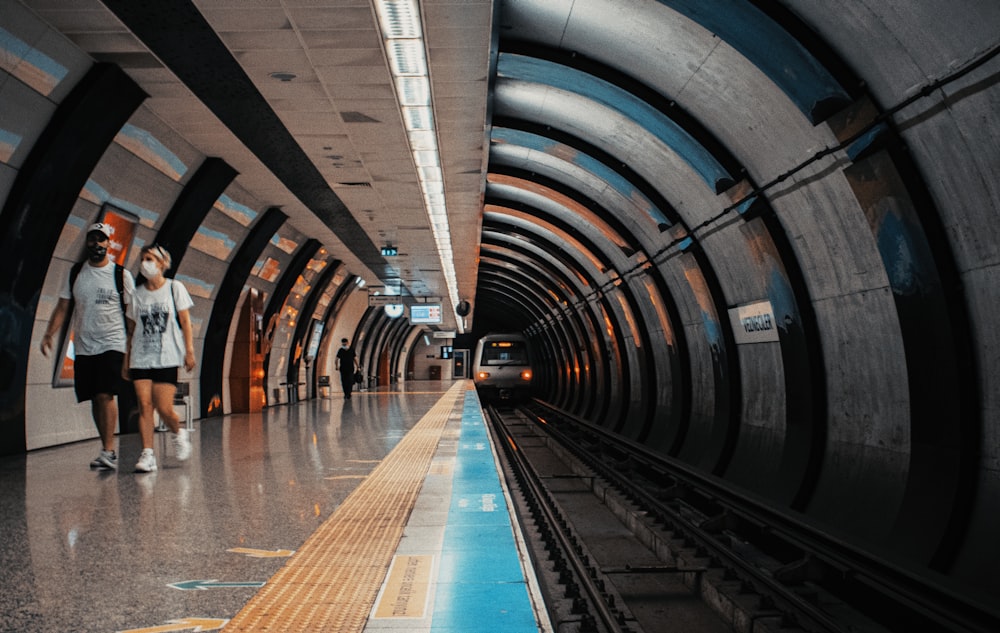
{"x": 526, "y": 374}
{"x": 483, "y": 375}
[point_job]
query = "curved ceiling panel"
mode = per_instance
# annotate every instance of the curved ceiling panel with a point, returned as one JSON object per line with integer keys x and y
{"x": 610, "y": 131}
{"x": 681, "y": 34}
{"x": 575, "y": 215}
{"x": 603, "y": 93}
{"x": 558, "y": 281}
{"x": 561, "y": 163}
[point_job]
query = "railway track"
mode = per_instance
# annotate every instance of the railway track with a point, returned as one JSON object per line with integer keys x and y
{"x": 755, "y": 566}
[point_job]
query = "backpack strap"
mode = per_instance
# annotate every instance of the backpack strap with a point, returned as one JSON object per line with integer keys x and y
{"x": 120, "y": 285}
{"x": 74, "y": 272}
{"x": 173, "y": 297}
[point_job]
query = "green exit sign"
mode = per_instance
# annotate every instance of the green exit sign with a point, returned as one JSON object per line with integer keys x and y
{"x": 389, "y": 251}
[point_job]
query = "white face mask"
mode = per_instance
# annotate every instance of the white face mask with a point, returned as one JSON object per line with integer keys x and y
{"x": 149, "y": 269}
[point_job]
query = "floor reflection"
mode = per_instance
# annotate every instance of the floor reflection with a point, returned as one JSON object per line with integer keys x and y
{"x": 95, "y": 551}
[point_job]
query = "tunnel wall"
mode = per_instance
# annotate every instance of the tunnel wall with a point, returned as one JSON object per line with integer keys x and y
{"x": 867, "y": 219}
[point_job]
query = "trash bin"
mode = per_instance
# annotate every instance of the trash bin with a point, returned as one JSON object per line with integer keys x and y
{"x": 324, "y": 386}
{"x": 435, "y": 372}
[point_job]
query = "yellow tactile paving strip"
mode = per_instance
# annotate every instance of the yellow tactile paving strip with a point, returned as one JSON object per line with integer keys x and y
{"x": 331, "y": 582}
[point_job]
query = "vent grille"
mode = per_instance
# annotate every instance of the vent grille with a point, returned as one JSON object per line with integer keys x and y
{"x": 357, "y": 117}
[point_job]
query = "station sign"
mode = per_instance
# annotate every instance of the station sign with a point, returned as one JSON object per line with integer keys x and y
{"x": 754, "y": 323}
{"x": 383, "y": 300}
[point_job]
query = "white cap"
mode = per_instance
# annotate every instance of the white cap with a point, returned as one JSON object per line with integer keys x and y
{"x": 100, "y": 227}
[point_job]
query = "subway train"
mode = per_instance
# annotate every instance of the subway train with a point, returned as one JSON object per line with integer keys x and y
{"x": 502, "y": 368}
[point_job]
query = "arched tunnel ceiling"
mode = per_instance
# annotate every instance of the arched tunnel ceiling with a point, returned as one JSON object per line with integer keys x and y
{"x": 657, "y": 117}
{"x": 299, "y": 99}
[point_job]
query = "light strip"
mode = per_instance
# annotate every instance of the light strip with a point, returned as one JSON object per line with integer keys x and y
{"x": 400, "y": 23}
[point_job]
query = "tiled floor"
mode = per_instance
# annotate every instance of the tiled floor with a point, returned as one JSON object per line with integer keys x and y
{"x": 84, "y": 551}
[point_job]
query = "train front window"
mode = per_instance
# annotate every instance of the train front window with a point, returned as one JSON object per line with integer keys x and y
{"x": 505, "y": 353}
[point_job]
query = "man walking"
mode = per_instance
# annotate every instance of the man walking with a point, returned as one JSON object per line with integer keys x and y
{"x": 96, "y": 292}
{"x": 346, "y": 363}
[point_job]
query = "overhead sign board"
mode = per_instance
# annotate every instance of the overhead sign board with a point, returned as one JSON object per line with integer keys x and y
{"x": 383, "y": 300}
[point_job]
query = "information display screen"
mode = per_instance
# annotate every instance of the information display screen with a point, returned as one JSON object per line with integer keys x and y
{"x": 425, "y": 313}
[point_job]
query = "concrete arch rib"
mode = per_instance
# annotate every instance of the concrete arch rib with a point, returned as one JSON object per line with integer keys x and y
{"x": 581, "y": 339}
{"x": 602, "y": 93}
{"x": 628, "y": 298}
{"x": 564, "y": 345}
{"x": 548, "y": 158}
{"x": 694, "y": 29}
{"x": 617, "y": 135}
{"x": 549, "y": 247}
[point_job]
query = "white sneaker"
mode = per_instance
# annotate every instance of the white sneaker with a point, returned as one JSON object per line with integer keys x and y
{"x": 182, "y": 445}
{"x": 106, "y": 460}
{"x": 147, "y": 461}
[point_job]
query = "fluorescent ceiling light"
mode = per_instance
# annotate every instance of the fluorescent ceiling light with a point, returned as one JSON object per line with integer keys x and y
{"x": 399, "y": 18}
{"x": 406, "y": 57}
{"x": 431, "y": 174}
{"x": 425, "y": 158}
{"x": 400, "y": 23}
{"x": 413, "y": 91}
{"x": 418, "y": 118}
{"x": 422, "y": 139}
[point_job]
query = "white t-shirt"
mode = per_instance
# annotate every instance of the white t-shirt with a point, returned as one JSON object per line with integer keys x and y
{"x": 98, "y": 323}
{"x": 157, "y": 340}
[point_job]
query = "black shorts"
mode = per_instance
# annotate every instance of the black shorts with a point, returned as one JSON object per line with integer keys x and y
{"x": 97, "y": 374}
{"x": 156, "y": 374}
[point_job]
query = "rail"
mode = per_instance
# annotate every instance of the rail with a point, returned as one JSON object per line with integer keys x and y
{"x": 545, "y": 512}
{"x": 815, "y": 567}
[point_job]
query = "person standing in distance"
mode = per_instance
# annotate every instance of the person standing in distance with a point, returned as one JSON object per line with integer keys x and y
{"x": 346, "y": 363}
{"x": 97, "y": 289}
{"x": 159, "y": 342}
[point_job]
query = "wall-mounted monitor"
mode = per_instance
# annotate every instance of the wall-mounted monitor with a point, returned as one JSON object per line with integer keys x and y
{"x": 425, "y": 313}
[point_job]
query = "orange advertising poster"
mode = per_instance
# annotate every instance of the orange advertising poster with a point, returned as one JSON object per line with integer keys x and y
{"x": 123, "y": 232}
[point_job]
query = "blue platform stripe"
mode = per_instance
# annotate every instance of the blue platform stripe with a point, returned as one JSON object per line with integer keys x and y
{"x": 628, "y": 105}
{"x": 480, "y": 584}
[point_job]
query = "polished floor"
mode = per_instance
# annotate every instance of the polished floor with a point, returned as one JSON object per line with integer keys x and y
{"x": 190, "y": 546}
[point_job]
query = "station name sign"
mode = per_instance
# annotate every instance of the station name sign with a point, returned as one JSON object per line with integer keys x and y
{"x": 754, "y": 323}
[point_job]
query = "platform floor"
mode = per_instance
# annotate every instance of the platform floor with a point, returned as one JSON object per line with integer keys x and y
{"x": 288, "y": 520}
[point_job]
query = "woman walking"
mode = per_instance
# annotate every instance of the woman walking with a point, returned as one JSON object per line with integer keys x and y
{"x": 160, "y": 341}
